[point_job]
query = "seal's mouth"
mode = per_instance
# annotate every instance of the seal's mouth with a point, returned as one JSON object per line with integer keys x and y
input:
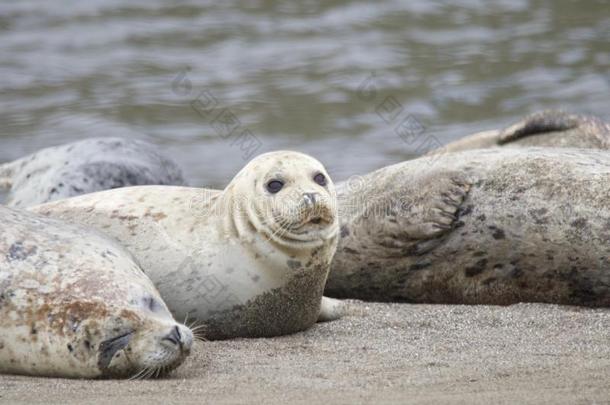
{"x": 310, "y": 227}
{"x": 312, "y": 223}
{"x": 307, "y": 219}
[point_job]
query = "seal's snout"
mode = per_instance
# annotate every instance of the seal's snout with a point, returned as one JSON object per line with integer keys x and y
{"x": 315, "y": 209}
{"x": 311, "y": 198}
{"x": 174, "y": 336}
{"x": 180, "y": 337}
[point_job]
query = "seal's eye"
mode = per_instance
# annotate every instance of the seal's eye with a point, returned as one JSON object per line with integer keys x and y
{"x": 274, "y": 186}
{"x": 320, "y": 179}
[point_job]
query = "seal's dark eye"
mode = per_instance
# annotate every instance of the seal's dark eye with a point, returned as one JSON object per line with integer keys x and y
{"x": 320, "y": 179}
{"x": 274, "y": 186}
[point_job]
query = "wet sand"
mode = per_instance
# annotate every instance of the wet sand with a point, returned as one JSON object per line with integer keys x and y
{"x": 390, "y": 353}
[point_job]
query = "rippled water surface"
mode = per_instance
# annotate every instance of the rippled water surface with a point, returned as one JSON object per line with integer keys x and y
{"x": 212, "y": 81}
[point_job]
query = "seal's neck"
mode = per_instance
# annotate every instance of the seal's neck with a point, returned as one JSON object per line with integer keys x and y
{"x": 233, "y": 219}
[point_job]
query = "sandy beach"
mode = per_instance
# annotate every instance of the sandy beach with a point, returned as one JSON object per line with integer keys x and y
{"x": 390, "y": 353}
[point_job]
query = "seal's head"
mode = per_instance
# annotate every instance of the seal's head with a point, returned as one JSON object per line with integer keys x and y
{"x": 286, "y": 196}
{"x": 85, "y": 325}
{"x": 74, "y": 303}
{"x": 142, "y": 340}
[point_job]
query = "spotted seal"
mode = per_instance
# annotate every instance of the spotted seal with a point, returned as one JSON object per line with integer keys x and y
{"x": 251, "y": 260}
{"x": 550, "y": 128}
{"x": 84, "y": 167}
{"x": 491, "y": 226}
{"x": 73, "y": 303}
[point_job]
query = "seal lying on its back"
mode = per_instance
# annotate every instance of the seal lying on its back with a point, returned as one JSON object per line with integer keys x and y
{"x": 491, "y": 226}
{"x": 75, "y": 304}
{"x": 546, "y": 128}
{"x": 251, "y": 260}
{"x": 84, "y": 167}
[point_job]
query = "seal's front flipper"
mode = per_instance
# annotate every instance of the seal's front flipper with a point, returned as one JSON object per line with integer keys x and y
{"x": 539, "y": 123}
{"x": 404, "y": 211}
{"x": 435, "y": 212}
{"x": 424, "y": 209}
{"x": 331, "y": 309}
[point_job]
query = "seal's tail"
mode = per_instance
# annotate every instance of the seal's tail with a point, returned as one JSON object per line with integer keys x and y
{"x": 6, "y": 175}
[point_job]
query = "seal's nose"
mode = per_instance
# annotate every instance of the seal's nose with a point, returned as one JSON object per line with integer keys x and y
{"x": 310, "y": 198}
{"x": 175, "y": 337}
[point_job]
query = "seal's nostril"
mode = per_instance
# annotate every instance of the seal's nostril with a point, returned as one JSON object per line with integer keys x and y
{"x": 178, "y": 333}
{"x": 174, "y": 337}
{"x": 310, "y": 197}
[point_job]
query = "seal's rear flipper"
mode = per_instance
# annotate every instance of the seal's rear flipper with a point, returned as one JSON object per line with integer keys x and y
{"x": 539, "y": 123}
{"x": 331, "y": 310}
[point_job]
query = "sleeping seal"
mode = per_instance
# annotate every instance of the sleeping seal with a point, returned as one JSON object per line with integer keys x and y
{"x": 491, "y": 226}
{"x": 251, "y": 260}
{"x": 84, "y": 167}
{"x": 74, "y": 304}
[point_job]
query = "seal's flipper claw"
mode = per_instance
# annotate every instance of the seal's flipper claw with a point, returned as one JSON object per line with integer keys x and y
{"x": 331, "y": 309}
{"x": 433, "y": 211}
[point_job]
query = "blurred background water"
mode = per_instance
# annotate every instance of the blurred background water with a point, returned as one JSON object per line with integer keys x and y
{"x": 331, "y": 78}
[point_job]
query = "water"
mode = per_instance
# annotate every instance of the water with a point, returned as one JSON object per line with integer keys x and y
{"x": 296, "y": 75}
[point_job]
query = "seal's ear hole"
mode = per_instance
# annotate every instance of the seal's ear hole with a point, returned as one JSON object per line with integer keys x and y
{"x": 320, "y": 179}
{"x": 108, "y": 348}
{"x": 274, "y": 186}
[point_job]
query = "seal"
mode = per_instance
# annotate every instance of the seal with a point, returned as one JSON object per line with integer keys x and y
{"x": 74, "y": 304}
{"x": 250, "y": 260}
{"x": 84, "y": 167}
{"x": 491, "y": 226}
{"x": 550, "y": 128}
